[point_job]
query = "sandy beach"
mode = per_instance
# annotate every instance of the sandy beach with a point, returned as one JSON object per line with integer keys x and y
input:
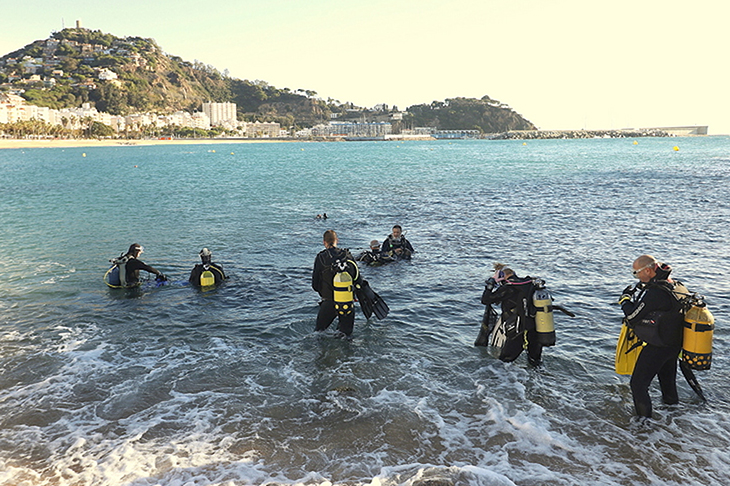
{"x": 12, "y": 143}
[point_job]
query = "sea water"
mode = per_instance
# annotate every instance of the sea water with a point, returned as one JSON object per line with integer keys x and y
{"x": 170, "y": 385}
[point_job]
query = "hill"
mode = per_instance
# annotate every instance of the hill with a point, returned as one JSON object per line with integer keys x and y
{"x": 128, "y": 75}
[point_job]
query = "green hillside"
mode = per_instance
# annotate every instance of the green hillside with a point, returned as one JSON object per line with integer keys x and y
{"x": 128, "y": 75}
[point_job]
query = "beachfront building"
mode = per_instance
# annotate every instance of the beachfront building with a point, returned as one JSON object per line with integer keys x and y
{"x": 13, "y": 108}
{"x": 10, "y": 107}
{"x": 261, "y": 130}
{"x": 353, "y": 129}
{"x": 221, "y": 114}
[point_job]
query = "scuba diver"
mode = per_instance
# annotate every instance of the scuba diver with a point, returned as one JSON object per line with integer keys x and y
{"x": 334, "y": 276}
{"x": 206, "y": 274}
{"x": 515, "y": 294}
{"x": 371, "y": 255}
{"x": 396, "y": 246}
{"x": 125, "y": 272}
{"x": 653, "y": 313}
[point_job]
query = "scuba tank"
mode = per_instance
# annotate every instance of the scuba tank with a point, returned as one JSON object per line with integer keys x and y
{"x": 116, "y": 276}
{"x": 699, "y": 326}
{"x": 207, "y": 279}
{"x": 544, "y": 322}
{"x": 343, "y": 289}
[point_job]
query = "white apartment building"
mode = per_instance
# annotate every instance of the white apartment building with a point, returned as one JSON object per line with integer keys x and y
{"x": 221, "y": 114}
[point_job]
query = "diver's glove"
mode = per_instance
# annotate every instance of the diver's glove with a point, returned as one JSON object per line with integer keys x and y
{"x": 161, "y": 278}
{"x": 627, "y": 294}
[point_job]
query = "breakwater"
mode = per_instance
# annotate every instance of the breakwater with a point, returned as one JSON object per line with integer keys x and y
{"x": 565, "y": 134}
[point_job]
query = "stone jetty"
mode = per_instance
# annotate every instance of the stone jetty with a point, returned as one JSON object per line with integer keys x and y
{"x": 565, "y": 134}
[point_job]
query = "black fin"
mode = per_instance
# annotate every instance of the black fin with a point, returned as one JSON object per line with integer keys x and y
{"x": 365, "y": 296}
{"x": 380, "y": 308}
{"x": 691, "y": 379}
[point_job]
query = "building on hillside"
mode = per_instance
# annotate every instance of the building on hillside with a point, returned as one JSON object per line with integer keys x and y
{"x": 221, "y": 114}
{"x": 107, "y": 75}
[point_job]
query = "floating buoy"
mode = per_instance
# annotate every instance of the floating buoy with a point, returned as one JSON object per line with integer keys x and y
{"x": 676, "y": 149}
{"x": 636, "y": 143}
{"x": 524, "y": 143}
{"x": 84, "y": 154}
{"x": 231, "y": 153}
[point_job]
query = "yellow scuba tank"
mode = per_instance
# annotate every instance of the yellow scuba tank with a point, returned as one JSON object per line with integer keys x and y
{"x": 207, "y": 279}
{"x": 544, "y": 321}
{"x": 343, "y": 292}
{"x": 699, "y": 326}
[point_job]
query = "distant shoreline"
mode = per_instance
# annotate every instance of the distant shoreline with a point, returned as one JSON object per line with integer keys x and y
{"x": 20, "y": 143}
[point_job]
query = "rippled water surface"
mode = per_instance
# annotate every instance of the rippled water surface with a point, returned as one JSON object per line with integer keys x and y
{"x": 173, "y": 386}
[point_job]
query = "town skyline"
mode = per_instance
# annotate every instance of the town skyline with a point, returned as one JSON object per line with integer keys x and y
{"x": 567, "y": 65}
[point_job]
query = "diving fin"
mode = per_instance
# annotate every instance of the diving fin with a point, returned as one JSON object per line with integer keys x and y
{"x": 380, "y": 308}
{"x": 370, "y": 302}
{"x": 691, "y": 379}
{"x": 628, "y": 349}
{"x": 488, "y": 322}
{"x": 498, "y": 335}
{"x": 563, "y": 310}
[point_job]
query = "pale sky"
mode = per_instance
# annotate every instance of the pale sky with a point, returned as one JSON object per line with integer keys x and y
{"x": 562, "y": 64}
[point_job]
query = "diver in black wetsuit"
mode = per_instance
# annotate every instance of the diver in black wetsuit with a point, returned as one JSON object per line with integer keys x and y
{"x": 372, "y": 255}
{"x": 659, "y": 355}
{"x": 207, "y": 266}
{"x": 133, "y": 266}
{"x": 513, "y": 293}
{"x": 322, "y": 281}
{"x": 396, "y": 246}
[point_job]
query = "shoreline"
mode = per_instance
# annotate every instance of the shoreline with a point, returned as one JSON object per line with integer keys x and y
{"x": 20, "y": 143}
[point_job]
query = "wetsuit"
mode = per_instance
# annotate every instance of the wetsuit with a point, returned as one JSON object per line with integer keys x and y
{"x": 133, "y": 266}
{"x": 322, "y": 281}
{"x": 369, "y": 256}
{"x": 658, "y": 358}
{"x": 391, "y": 244}
{"x": 198, "y": 270}
{"x": 513, "y": 294}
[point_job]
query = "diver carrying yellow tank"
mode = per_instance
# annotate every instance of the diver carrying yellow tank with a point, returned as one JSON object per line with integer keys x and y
{"x": 207, "y": 274}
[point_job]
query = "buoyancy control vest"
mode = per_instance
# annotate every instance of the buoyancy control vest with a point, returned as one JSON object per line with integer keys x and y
{"x": 520, "y": 318}
{"x": 661, "y": 328}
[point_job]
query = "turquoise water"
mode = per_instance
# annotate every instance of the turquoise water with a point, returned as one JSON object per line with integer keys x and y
{"x": 174, "y": 386}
